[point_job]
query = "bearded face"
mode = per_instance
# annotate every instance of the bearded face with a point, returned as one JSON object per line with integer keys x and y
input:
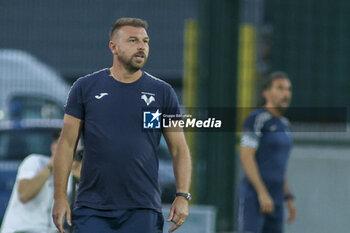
{"x": 132, "y": 47}
{"x": 134, "y": 61}
{"x": 280, "y": 94}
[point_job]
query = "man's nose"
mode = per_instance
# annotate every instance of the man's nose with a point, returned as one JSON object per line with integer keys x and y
{"x": 287, "y": 92}
{"x": 141, "y": 46}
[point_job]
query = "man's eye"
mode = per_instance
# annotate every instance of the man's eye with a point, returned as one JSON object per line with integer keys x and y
{"x": 145, "y": 41}
{"x": 132, "y": 40}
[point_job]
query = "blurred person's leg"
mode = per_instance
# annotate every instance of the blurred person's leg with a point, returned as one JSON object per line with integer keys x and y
{"x": 250, "y": 220}
{"x": 274, "y": 222}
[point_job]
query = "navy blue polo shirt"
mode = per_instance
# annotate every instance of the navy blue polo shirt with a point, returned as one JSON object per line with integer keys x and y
{"x": 120, "y": 163}
{"x": 271, "y": 138}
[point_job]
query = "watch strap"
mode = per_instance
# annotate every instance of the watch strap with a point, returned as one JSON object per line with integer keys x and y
{"x": 185, "y": 195}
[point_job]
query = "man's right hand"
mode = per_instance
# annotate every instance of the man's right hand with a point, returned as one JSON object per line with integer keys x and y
{"x": 266, "y": 203}
{"x": 60, "y": 210}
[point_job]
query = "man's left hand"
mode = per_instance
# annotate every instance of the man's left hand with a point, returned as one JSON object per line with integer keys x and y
{"x": 292, "y": 211}
{"x": 178, "y": 212}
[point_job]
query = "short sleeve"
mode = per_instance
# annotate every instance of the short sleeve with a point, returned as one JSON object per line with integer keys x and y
{"x": 74, "y": 105}
{"x": 29, "y": 168}
{"x": 172, "y": 106}
{"x": 250, "y": 135}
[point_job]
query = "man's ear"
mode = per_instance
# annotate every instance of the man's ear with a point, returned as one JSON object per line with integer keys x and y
{"x": 265, "y": 94}
{"x": 113, "y": 47}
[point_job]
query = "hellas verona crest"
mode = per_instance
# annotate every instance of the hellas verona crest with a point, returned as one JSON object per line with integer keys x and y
{"x": 148, "y": 97}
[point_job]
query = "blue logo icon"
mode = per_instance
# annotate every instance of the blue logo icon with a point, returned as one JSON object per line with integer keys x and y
{"x": 151, "y": 119}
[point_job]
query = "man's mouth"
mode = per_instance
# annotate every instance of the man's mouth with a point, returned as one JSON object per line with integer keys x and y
{"x": 285, "y": 101}
{"x": 140, "y": 55}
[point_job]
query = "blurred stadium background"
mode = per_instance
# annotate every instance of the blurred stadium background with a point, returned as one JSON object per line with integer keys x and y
{"x": 215, "y": 54}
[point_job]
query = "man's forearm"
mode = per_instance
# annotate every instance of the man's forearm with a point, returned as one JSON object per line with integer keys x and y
{"x": 287, "y": 190}
{"x": 63, "y": 157}
{"x": 62, "y": 166}
{"x": 254, "y": 177}
{"x": 29, "y": 188}
{"x": 251, "y": 169}
{"x": 182, "y": 169}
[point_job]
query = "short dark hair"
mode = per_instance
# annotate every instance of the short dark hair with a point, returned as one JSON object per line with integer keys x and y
{"x": 134, "y": 22}
{"x": 267, "y": 84}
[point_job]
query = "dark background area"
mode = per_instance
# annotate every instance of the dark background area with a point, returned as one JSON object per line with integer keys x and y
{"x": 73, "y": 36}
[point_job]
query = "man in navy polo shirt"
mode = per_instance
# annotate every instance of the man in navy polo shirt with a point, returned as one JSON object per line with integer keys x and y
{"x": 265, "y": 147}
{"x": 119, "y": 189}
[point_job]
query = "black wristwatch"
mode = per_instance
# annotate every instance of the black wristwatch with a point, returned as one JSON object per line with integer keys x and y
{"x": 289, "y": 196}
{"x": 185, "y": 195}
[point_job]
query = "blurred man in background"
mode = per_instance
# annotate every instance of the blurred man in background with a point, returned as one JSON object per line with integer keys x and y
{"x": 31, "y": 202}
{"x": 119, "y": 190}
{"x": 265, "y": 147}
